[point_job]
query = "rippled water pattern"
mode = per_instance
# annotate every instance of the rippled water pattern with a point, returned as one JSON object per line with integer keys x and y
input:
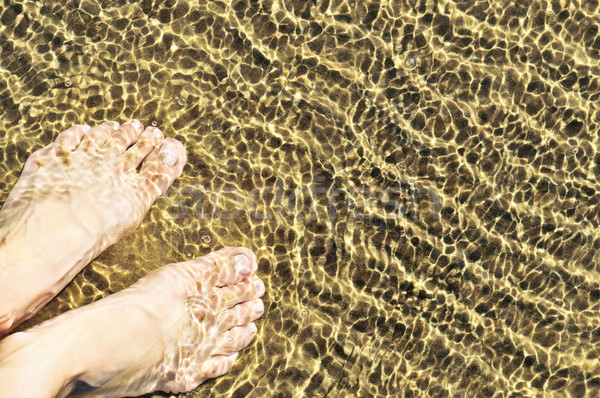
{"x": 418, "y": 178}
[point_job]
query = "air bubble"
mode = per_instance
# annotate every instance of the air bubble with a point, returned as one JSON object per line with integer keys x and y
{"x": 575, "y": 150}
{"x": 410, "y": 62}
{"x": 67, "y": 83}
{"x": 189, "y": 254}
{"x": 229, "y": 339}
{"x": 303, "y": 313}
{"x": 154, "y": 124}
{"x": 206, "y": 238}
{"x": 181, "y": 101}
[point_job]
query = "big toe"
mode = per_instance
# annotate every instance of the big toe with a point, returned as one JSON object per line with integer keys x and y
{"x": 233, "y": 264}
{"x": 162, "y": 165}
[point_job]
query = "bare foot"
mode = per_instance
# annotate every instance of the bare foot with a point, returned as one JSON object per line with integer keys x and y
{"x": 172, "y": 330}
{"x": 74, "y": 198}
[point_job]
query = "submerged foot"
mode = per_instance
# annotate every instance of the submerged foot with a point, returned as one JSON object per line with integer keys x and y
{"x": 74, "y": 198}
{"x": 172, "y": 330}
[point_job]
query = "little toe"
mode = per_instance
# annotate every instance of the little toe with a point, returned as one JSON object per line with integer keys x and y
{"x": 247, "y": 289}
{"x": 70, "y": 139}
{"x": 241, "y": 314}
{"x": 124, "y": 136}
{"x": 234, "y": 264}
{"x": 63, "y": 145}
{"x": 216, "y": 366}
{"x": 237, "y": 338}
{"x": 162, "y": 166}
{"x": 97, "y": 136}
{"x": 148, "y": 140}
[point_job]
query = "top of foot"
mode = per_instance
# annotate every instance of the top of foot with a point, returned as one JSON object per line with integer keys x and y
{"x": 74, "y": 198}
{"x": 175, "y": 328}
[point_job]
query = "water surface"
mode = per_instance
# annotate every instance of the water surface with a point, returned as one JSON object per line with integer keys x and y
{"x": 418, "y": 178}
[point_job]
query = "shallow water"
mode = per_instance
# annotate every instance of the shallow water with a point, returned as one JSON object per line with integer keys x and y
{"x": 417, "y": 178}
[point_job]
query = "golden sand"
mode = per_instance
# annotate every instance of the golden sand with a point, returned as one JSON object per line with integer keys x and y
{"x": 417, "y": 178}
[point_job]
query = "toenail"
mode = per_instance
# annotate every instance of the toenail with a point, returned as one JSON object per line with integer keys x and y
{"x": 136, "y": 123}
{"x": 86, "y": 127}
{"x": 259, "y": 285}
{"x": 156, "y": 132}
{"x": 252, "y": 328}
{"x": 168, "y": 154}
{"x": 115, "y": 125}
{"x": 241, "y": 263}
{"x": 259, "y": 307}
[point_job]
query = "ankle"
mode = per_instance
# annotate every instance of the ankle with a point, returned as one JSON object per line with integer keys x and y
{"x": 27, "y": 295}
{"x": 25, "y": 357}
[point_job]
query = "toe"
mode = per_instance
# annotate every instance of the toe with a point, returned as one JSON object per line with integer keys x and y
{"x": 97, "y": 136}
{"x": 234, "y": 264}
{"x": 70, "y": 139}
{"x": 247, "y": 289}
{"x": 65, "y": 143}
{"x": 216, "y": 366}
{"x": 162, "y": 166}
{"x": 237, "y": 338}
{"x": 241, "y": 314}
{"x": 148, "y": 140}
{"x": 124, "y": 136}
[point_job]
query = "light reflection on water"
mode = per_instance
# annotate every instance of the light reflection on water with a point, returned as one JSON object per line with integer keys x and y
{"x": 418, "y": 180}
